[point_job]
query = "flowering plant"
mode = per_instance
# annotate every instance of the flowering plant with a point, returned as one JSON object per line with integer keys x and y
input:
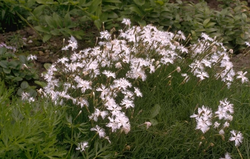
{"x": 102, "y": 81}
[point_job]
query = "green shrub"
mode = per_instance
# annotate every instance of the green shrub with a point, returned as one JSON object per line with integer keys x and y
{"x": 17, "y": 71}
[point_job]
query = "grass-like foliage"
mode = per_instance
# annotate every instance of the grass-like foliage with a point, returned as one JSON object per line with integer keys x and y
{"x": 137, "y": 92}
{"x": 29, "y": 130}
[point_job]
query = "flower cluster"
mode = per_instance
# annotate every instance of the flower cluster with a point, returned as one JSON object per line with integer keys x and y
{"x": 106, "y": 74}
{"x": 205, "y": 116}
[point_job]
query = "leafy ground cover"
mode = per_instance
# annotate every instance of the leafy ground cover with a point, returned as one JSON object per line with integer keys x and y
{"x": 143, "y": 94}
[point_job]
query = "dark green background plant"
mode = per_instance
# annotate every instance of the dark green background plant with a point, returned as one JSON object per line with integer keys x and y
{"x": 16, "y": 71}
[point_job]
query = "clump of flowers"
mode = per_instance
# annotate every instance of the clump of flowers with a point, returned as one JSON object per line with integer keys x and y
{"x": 103, "y": 79}
{"x": 220, "y": 120}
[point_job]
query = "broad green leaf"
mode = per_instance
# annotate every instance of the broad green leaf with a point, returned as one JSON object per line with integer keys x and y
{"x": 82, "y": 2}
{"x": 210, "y": 24}
{"x": 7, "y": 70}
{"x": 67, "y": 20}
{"x": 58, "y": 20}
{"x": 139, "y": 2}
{"x": 40, "y": 83}
{"x": 32, "y": 92}
{"x": 2, "y": 50}
{"x": 17, "y": 79}
{"x": 206, "y": 21}
{"x": 3, "y": 64}
{"x": 136, "y": 10}
{"x": 154, "y": 122}
{"x": 55, "y": 32}
{"x": 46, "y": 2}
{"x": 24, "y": 85}
{"x": 109, "y": 8}
{"x": 50, "y": 21}
{"x": 112, "y": 1}
{"x": 39, "y": 10}
{"x": 112, "y": 15}
{"x": 95, "y": 5}
{"x": 42, "y": 29}
{"x": 46, "y": 37}
{"x": 155, "y": 111}
{"x": 22, "y": 58}
{"x": 47, "y": 66}
{"x": 13, "y": 64}
{"x": 98, "y": 24}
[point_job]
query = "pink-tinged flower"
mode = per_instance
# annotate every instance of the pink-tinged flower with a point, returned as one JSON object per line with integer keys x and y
{"x": 227, "y": 156}
{"x": 82, "y": 146}
{"x": 137, "y": 92}
{"x": 99, "y": 130}
{"x": 126, "y": 21}
{"x": 237, "y": 137}
{"x": 72, "y": 43}
{"x": 105, "y": 35}
{"x": 241, "y": 75}
{"x": 108, "y": 73}
{"x": 148, "y": 124}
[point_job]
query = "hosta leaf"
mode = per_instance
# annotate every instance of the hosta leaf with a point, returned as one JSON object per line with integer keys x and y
{"x": 24, "y": 85}
{"x": 136, "y": 10}
{"x": 112, "y": 1}
{"x": 47, "y": 66}
{"x": 58, "y": 20}
{"x": 7, "y": 70}
{"x": 39, "y": 10}
{"x": 46, "y": 37}
{"x": 3, "y": 63}
{"x": 2, "y": 50}
{"x": 206, "y": 21}
{"x": 139, "y": 2}
{"x": 40, "y": 83}
{"x": 42, "y": 29}
{"x": 50, "y": 21}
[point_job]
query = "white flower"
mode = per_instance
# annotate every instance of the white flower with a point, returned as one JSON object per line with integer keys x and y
{"x": 108, "y": 73}
{"x": 241, "y": 75}
{"x": 226, "y": 124}
{"x": 99, "y": 130}
{"x": 203, "y": 119}
{"x": 137, "y": 92}
{"x": 247, "y": 43}
{"x": 83, "y": 84}
{"x": 237, "y": 137}
{"x": 148, "y": 124}
{"x": 227, "y": 156}
{"x": 72, "y": 43}
{"x": 216, "y": 124}
{"x": 105, "y": 34}
{"x": 126, "y": 21}
{"x": 127, "y": 103}
{"x": 31, "y": 57}
{"x": 221, "y": 132}
{"x": 82, "y": 146}
{"x": 206, "y": 37}
{"x": 63, "y": 60}
{"x": 201, "y": 75}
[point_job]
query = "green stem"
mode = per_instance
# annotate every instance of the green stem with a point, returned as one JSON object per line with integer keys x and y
{"x": 28, "y": 23}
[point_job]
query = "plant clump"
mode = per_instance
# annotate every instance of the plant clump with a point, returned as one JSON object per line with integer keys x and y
{"x": 102, "y": 82}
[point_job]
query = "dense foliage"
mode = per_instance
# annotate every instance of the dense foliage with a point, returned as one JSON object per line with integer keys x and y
{"x": 54, "y": 18}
